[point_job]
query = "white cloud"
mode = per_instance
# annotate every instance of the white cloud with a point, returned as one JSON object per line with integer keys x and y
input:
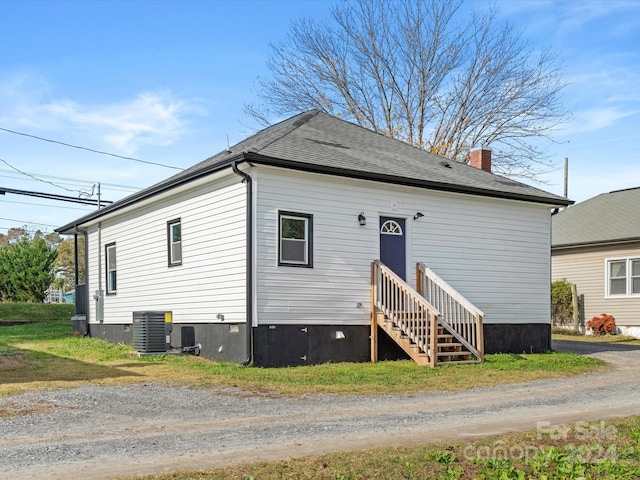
{"x": 150, "y": 118}
{"x": 155, "y": 118}
{"x": 596, "y": 119}
{"x": 568, "y": 17}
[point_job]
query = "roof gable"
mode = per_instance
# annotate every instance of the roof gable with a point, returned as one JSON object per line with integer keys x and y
{"x": 607, "y": 218}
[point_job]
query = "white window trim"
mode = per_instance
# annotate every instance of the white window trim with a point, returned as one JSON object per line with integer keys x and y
{"x": 391, "y": 227}
{"x": 629, "y": 277}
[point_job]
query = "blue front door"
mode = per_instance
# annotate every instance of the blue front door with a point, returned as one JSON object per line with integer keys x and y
{"x": 392, "y": 245}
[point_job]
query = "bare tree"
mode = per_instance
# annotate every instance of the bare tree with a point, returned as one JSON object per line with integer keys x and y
{"x": 410, "y": 70}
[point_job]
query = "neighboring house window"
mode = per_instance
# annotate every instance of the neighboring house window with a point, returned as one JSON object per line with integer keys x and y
{"x": 110, "y": 260}
{"x": 623, "y": 277}
{"x": 295, "y": 239}
{"x": 174, "y": 237}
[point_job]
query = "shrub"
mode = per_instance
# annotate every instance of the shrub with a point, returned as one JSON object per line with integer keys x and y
{"x": 561, "y": 305}
{"x": 602, "y": 325}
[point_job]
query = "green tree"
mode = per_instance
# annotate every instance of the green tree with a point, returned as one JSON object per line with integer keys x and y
{"x": 13, "y": 235}
{"x": 65, "y": 261}
{"x": 26, "y": 270}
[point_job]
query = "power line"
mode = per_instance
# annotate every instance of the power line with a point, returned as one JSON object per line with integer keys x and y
{"x": 53, "y": 196}
{"x": 81, "y": 192}
{"x": 35, "y": 178}
{"x": 75, "y": 180}
{"x": 30, "y": 223}
{"x": 90, "y": 149}
{"x": 45, "y": 205}
{"x": 84, "y": 186}
{"x": 9, "y": 228}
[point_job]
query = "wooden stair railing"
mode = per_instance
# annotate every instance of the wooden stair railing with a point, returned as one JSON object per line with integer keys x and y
{"x": 412, "y": 322}
{"x": 458, "y": 315}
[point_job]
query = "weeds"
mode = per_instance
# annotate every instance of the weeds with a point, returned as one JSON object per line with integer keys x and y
{"x": 526, "y": 456}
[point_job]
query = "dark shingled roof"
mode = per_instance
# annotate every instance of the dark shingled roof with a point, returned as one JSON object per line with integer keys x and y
{"x": 317, "y": 142}
{"x": 608, "y": 218}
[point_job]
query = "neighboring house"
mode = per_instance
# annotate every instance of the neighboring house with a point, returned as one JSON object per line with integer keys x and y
{"x": 596, "y": 245}
{"x": 70, "y": 297}
{"x": 264, "y": 252}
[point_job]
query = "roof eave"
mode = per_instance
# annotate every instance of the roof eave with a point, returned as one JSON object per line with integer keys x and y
{"x": 278, "y": 162}
{"x": 596, "y": 243}
{"x": 433, "y": 185}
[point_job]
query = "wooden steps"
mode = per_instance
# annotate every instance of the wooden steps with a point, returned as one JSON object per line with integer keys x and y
{"x": 449, "y": 332}
{"x": 448, "y": 349}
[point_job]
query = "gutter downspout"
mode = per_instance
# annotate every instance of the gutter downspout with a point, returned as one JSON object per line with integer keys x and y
{"x": 249, "y": 266}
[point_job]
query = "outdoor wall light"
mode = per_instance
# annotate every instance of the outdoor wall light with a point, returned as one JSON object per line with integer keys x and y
{"x": 362, "y": 220}
{"x": 418, "y": 215}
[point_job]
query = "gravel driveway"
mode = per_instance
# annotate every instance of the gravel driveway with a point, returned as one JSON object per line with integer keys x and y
{"x": 97, "y": 432}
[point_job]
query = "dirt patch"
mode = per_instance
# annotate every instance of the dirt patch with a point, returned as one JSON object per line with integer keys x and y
{"x": 13, "y": 409}
{"x": 12, "y": 360}
{"x": 11, "y": 323}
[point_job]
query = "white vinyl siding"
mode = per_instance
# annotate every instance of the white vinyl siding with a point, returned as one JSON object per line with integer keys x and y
{"x": 587, "y": 268}
{"x": 495, "y": 252}
{"x": 212, "y": 279}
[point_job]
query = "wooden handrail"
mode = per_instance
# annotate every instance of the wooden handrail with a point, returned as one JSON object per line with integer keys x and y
{"x": 458, "y": 315}
{"x": 426, "y": 271}
{"x": 409, "y": 311}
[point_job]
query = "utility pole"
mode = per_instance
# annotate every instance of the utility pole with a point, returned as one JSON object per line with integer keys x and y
{"x": 566, "y": 177}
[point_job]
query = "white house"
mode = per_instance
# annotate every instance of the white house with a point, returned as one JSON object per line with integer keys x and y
{"x": 263, "y": 253}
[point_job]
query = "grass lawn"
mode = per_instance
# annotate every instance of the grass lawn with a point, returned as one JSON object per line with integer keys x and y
{"x": 626, "y": 339}
{"x": 29, "y": 312}
{"x": 45, "y": 355}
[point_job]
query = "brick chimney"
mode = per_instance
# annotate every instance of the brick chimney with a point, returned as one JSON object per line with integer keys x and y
{"x": 481, "y": 158}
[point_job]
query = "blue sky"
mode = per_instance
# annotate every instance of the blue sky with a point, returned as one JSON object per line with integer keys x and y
{"x": 166, "y": 82}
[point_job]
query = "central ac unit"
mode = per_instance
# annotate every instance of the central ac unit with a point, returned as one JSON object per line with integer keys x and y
{"x": 151, "y": 331}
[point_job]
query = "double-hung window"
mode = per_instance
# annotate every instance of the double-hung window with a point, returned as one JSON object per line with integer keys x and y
{"x": 174, "y": 242}
{"x": 295, "y": 239}
{"x": 623, "y": 277}
{"x": 110, "y": 261}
